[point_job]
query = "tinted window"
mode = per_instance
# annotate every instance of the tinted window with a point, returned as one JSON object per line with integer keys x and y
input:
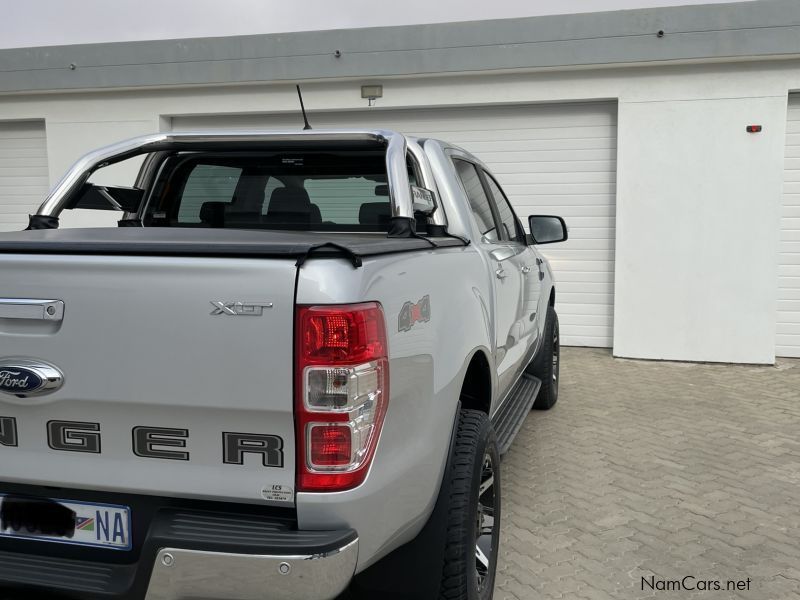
{"x": 478, "y": 201}
{"x": 207, "y": 183}
{"x": 340, "y": 200}
{"x": 327, "y": 190}
{"x": 504, "y": 211}
{"x": 273, "y": 183}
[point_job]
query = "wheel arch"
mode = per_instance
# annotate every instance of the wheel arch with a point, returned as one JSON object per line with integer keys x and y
{"x": 477, "y": 385}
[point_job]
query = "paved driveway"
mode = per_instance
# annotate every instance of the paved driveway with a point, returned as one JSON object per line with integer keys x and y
{"x": 656, "y": 470}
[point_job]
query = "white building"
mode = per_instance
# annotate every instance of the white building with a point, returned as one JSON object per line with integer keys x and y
{"x": 684, "y": 227}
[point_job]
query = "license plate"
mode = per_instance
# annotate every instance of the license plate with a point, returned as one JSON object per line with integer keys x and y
{"x": 90, "y": 524}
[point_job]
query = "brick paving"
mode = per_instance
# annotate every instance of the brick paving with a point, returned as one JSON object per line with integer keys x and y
{"x": 655, "y": 469}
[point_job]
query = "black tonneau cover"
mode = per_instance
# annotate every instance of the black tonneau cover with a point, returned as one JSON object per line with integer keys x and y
{"x": 166, "y": 241}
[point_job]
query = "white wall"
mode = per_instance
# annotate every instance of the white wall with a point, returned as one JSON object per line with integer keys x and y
{"x": 697, "y": 197}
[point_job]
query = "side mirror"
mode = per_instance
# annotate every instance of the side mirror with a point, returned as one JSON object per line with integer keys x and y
{"x": 547, "y": 229}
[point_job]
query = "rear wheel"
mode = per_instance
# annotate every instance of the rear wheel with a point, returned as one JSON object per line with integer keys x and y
{"x": 454, "y": 557}
{"x": 473, "y": 522}
{"x": 547, "y": 363}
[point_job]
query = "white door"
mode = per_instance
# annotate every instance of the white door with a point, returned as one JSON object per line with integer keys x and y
{"x": 549, "y": 159}
{"x": 23, "y": 172}
{"x": 787, "y": 339}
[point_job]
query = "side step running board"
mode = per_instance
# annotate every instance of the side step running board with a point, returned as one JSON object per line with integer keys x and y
{"x": 508, "y": 420}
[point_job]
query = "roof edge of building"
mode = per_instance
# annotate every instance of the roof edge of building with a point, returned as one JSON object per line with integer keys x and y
{"x": 713, "y": 32}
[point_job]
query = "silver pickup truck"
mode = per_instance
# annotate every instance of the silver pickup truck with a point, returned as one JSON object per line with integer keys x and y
{"x": 290, "y": 371}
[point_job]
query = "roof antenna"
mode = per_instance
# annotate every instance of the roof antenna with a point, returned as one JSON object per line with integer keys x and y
{"x": 303, "y": 108}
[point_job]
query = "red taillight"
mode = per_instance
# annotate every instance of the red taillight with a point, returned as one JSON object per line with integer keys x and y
{"x": 332, "y": 335}
{"x": 331, "y": 445}
{"x": 342, "y": 388}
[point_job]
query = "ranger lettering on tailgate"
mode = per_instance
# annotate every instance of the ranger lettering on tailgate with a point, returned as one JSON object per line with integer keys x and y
{"x": 150, "y": 442}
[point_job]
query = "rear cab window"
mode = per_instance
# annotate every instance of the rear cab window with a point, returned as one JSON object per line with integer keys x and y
{"x": 207, "y": 183}
{"x": 325, "y": 190}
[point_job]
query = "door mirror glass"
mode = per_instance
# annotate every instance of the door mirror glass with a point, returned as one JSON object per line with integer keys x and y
{"x": 547, "y": 229}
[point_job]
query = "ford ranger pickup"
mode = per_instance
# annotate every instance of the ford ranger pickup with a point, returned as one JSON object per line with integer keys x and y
{"x": 290, "y": 371}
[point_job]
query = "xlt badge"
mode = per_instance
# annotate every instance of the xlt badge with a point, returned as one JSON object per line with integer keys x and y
{"x": 239, "y": 309}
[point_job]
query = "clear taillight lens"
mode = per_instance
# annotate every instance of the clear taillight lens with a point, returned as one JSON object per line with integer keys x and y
{"x": 342, "y": 388}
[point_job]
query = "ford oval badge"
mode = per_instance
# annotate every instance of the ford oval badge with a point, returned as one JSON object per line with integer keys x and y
{"x": 25, "y": 377}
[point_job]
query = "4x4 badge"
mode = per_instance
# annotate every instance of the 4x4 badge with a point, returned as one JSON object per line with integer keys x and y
{"x": 25, "y": 377}
{"x": 239, "y": 309}
{"x": 414, "y": 312}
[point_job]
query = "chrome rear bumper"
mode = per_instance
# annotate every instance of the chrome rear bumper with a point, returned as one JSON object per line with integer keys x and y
{"x": 182, "y": 574}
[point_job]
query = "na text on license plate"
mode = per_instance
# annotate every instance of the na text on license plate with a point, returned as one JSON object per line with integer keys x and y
{"x": 97, "y": 525}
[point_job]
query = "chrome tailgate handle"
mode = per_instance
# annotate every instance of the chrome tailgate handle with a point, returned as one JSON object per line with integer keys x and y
{"x": 28, "y": 308}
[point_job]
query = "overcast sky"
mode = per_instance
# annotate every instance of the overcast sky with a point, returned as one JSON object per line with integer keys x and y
{"x": 28, "y": 23}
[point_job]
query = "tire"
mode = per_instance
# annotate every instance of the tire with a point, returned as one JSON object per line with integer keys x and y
{"x": 547, "y": 363}
{"x": 473, "y": 518}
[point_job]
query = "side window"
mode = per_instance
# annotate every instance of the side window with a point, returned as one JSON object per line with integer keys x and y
{"x": 504, "y": 211}
{"x": 478, "y": 201}
{"x": 206, "y": 183}
{"x": 413, "y": 175}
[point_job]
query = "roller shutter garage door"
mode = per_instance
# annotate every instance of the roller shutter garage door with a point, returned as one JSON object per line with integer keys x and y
{"x": 23, "y": 172}
{"x": 558, "y": 159}
{"x": 787, "y": 341}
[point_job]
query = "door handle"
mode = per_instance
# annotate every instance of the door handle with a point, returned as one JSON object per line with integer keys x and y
{"x": 526, "y": 269}
{"x": 539, "y": 261}
{"x": 501, "y": 274}
{"x": 27, "y": 308}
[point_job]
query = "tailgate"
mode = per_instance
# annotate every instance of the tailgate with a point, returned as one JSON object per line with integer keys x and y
{"x": 169, "y": 386}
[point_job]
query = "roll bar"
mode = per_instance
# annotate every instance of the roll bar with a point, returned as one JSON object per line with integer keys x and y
{"x": 402, "y": 207}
